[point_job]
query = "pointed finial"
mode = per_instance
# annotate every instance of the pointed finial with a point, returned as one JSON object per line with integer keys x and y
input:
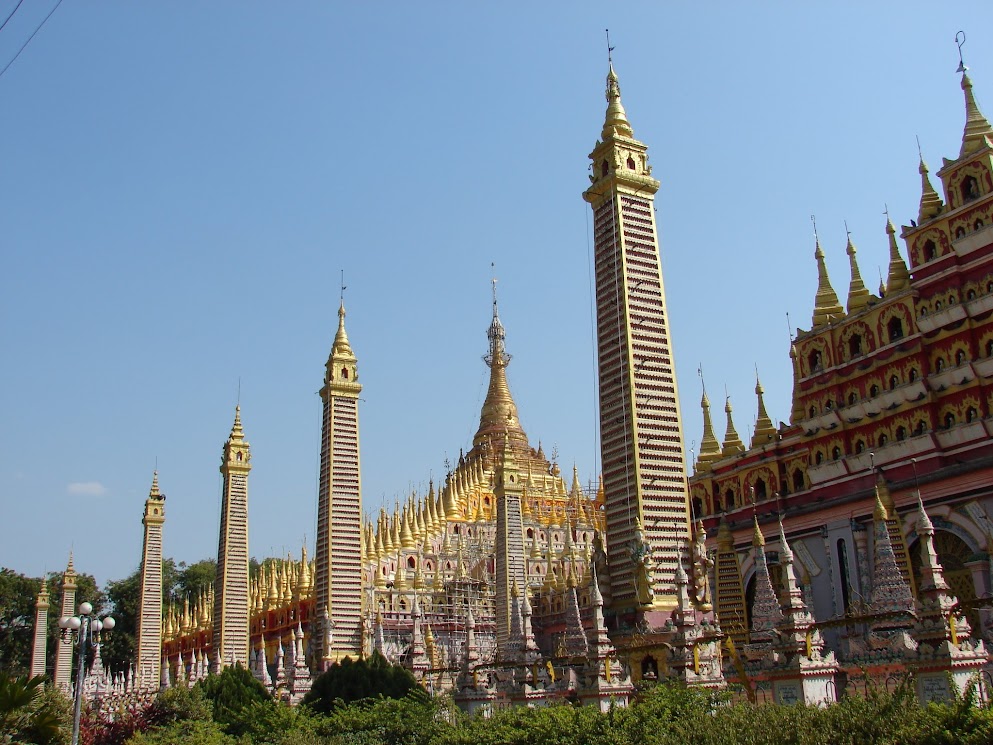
{"x": 616, "y": 120}
{"x": 930, "y": 201}
{"x": 826, "y": 305}
{"x": 858, "y": 295}
{"x": 757, "y": 538}
{"x": 154, "y": 491}
{"x": 610, "y": 49}
{"x": 343, "y": 288}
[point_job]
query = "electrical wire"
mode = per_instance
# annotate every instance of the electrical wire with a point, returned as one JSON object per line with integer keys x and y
{"x": 30, "y": 37}
{"x": 11, "y": 14}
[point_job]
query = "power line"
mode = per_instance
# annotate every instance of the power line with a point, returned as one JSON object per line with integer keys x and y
{"x": 30, "y": 37}
{"x": 11, "y": 14}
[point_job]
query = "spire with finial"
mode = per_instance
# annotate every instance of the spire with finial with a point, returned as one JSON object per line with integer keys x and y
{"x": 710, "y": 448}
{"x": 732, "y": 442}
{"x": 826, "y": 305}
{"x": 978, "y": 133}
{"x": 616, "y": 120}
{"x": 858, "y": 295}
{"x": 931, "y": 204}
{"x": 499, "y": 413}
{"x": 765, "y": 430}
{"x": 766, "y": 613}
{"x": 897, "y": 278}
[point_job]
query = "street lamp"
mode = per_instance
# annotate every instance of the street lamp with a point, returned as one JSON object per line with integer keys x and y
{"x": 80, "y": 630}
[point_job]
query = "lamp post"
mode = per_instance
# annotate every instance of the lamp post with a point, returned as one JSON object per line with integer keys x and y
{"x": 79, "y": 630}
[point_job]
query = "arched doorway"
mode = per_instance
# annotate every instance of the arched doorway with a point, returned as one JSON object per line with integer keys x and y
{"x": 953, "y": 553}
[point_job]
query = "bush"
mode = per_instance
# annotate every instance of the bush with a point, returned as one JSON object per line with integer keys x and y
{"x": 230, "y": 693}
{"x": 354, "y": 680}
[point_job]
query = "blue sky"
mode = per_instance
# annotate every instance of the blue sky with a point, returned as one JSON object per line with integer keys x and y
{"x": 181, "y": 185}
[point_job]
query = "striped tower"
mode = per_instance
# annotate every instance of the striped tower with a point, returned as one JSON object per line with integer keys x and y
{"x": 40, "y": 648}
{"x": 640, "y": 427}
{"x": 63, "y": 652}
{"x": 338, "y": 573}
{"x": 149, "y": 642}
{"x": 231, "y": 587}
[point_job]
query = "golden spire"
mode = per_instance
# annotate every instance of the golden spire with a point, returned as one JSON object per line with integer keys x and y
{"x": 154, "y": 492}
{"x": 499, "y": 414}
{"x": 931, "y": 204}
{"x": 858, "y": 295}
{"x": 400, "y": 577}
{"x": 341, "y": 345}
{"x": 978, "y": 133}
{"x": 710, "y": 448}
{"x": 765, "y": 430}
{"x": 757, "y": 538}
{"x": 826, "y": 305}
{"x": 616, "y": 120}
{"x": 898, "y": 278}
{"x": 732, "y": 442}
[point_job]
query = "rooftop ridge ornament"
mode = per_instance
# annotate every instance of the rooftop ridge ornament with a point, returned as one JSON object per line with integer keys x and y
{"x": 962, "y": 66}
{"x": 610, "y": 59}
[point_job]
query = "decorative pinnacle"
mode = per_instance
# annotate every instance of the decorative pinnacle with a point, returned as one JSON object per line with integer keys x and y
{"x": 154, "y": 492}
{"x": 826, "y": 305}
{"x": 930, "y": 201}
{"x": 497, "y": 356}
{"x": 858, "y": 295}
{"x": 616, "y": 120}
{"x": 757, "y": 538}
{"x": 237, "y": 433}
{"x": 897, "y": 278}
{"x": 341, "y": 344}
{"x": 787, "y": 551}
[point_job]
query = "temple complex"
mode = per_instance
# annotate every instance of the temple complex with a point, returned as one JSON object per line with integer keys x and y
{"x": 853, "y": 541}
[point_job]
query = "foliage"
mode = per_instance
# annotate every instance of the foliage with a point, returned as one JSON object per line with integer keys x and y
{"x": 274, "y": 722}
{"x": 189, "y": 732}
{"x": 17, "y": 598}
{"x": 230, "y": 693}
{"x": 411, "y": 720}
{"x": 180, "y": 704}
{"x": 354, "y": 680}
{"x": 27, "y": 716}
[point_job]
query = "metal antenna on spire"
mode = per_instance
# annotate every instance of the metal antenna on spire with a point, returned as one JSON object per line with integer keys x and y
{"x": 789, "y": 326}
{"x": 343, "y": 288}
{"x": 610, "y": 59}
{"x": 962, "y": 67}
{"x": 699, "y": 371}
{"x": 239, "y": 391}
{"x": 813, "y": 219}
{"x": 920, "y": 153}
{"x": 494, "y": 281}
{"x": 848, "y": 232}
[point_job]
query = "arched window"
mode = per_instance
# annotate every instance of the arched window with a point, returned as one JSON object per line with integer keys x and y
{"x": 937, "y": 306}
{"x": 971, "y": 414}
{"x": 959, "y": 232}
{"x": 697, "y": 507}
{"x": 813, "y": 412}
{"x": 814, "y": 360}
{"x": 530, "y": 533}
{"x": 989, "y": 287}
{"x": 921, "y": 428}
{"x": 873, "y": 390}
{"x": 798, "y": 484}
{"x": 818, "y": 458}
{"x": 853, "y": 398}
{"x": 970, "y": 295}
{"x": 989, "y": 348}
{"x": 895, "y": 329}
{"x": 835, "y": 453}
{"x": 631, "y": 165}
{"x": 604, "y": 168}
{"x": 952, "y": 300}
{"x": 930, "y": 250}
{"x": 939, "y": 364}
{"x": 729, "y": 500}
{"x": 344, "y": 373}
{"x": 855, "y": 345}
{"x": 959, "y": 357}
{"x": 894, "y": 382}
{"x": 912, "y": 375}
{"x": 949, "y": 420}
{"x": 977, "y": 225}
{"x": 901, "y": 433}
{"x": 860, "y": 446}
{"x": 411, "y": 562}
{"x": 883, "y": 440}
{"x": 970, "y": 189}
{"x": 760, "y": 489}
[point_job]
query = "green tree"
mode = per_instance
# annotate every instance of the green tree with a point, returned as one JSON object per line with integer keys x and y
{"x": 353, "y": 680}
{"x": 230, "y": 693}
{"x": 17, "y": 599}
{"x": 25, "y": 715}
